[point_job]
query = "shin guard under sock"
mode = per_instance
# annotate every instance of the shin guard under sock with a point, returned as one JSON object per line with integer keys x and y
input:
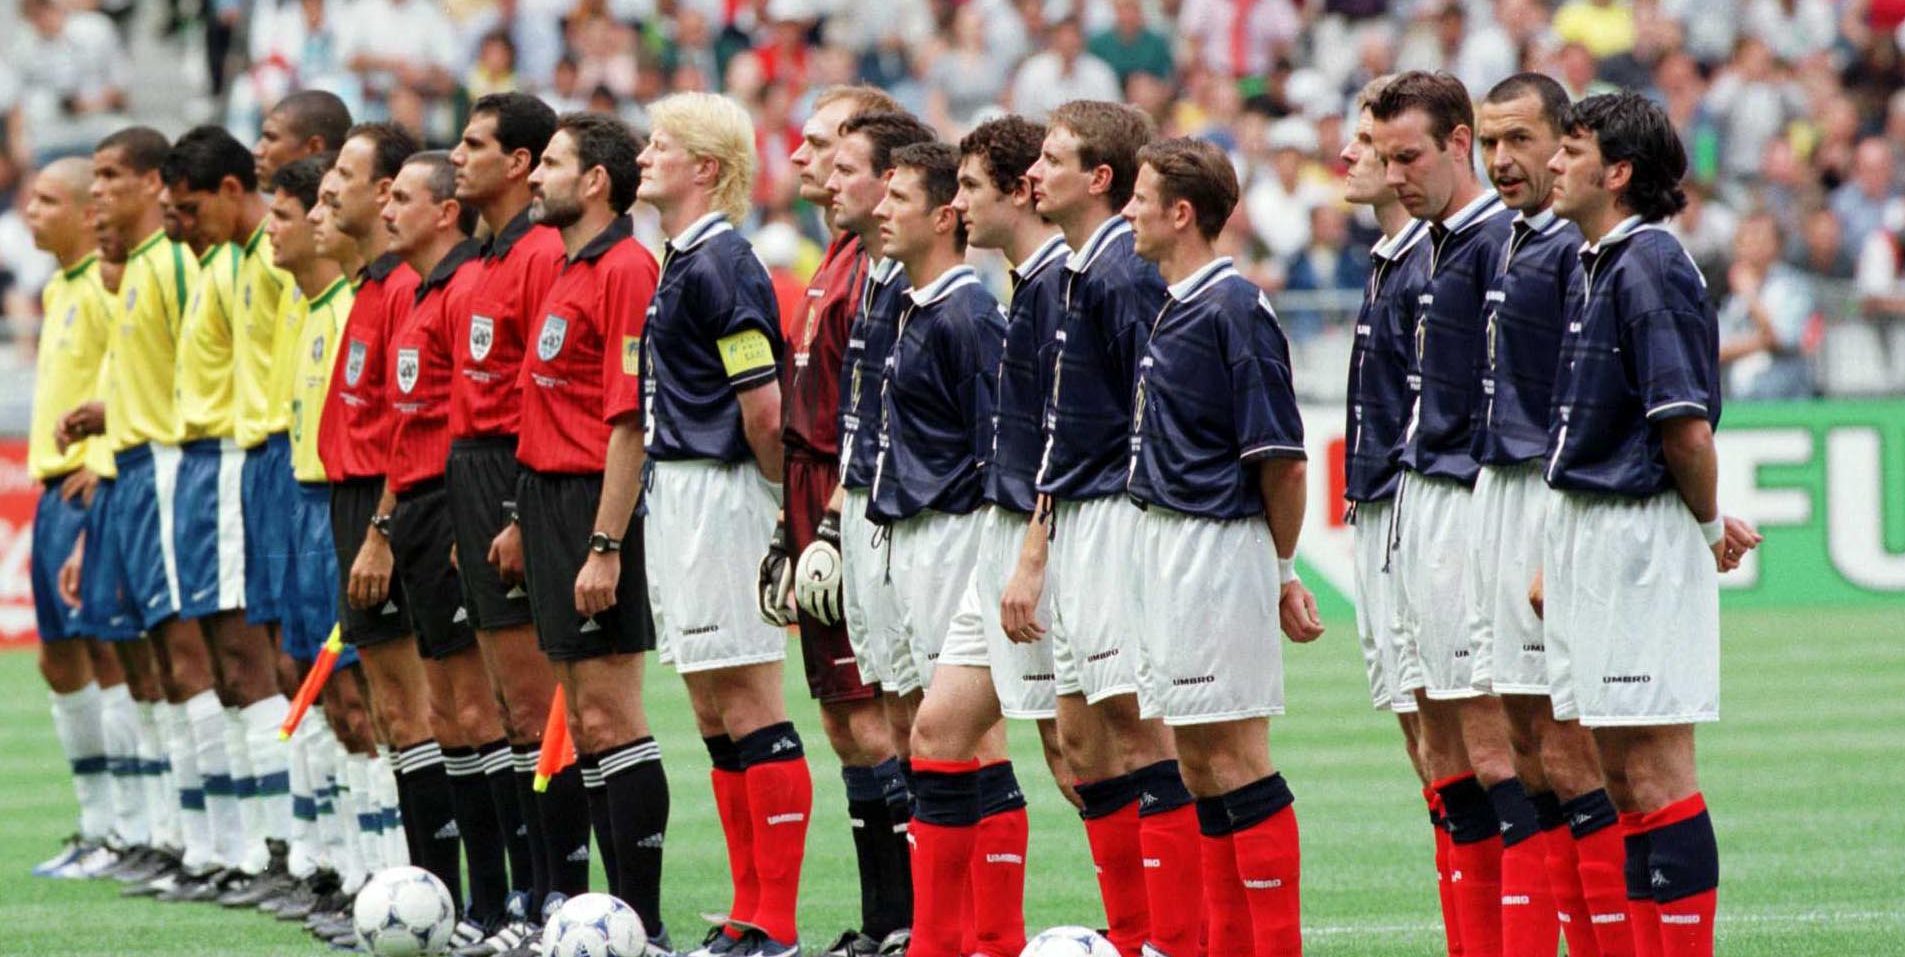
{"x": 82, "y": 735}
{"x": 564, "y": 809}
{"x": 1269, "y": 863}
{"x": 638, "y": 799}
{"x": 601, "y": 819}
{"x": 500, "y": 779}
{"x": 1643, "y": 912}
{"x": 1167, "y": 836}
{"x": 1564, "y": 876}
{"x": 998, "y": 864}
{"x": 737, "y": 826}
{"x": 868, "y": 821}
{"x": 1444, "y": 887}
{"x": 780, "y": 796}
{"x": 945, "y": 830}
{"x": 423, "y": 788}
{"x": 1683, "y": 868}
{"x": 482, "y": 833}
{"x": 896, "y": 855}
{"x": 1226, "y": 909}
{"x": 1475, "y": 857}
{"x": 1111, "y": 829}
{"x": 1601, "y": 854}
{"x": 529, "y": 810}
{"x": 1528, "y": 923}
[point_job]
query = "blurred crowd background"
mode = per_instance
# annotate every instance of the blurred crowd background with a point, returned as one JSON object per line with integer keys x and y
{"x": 1792, "y": 111}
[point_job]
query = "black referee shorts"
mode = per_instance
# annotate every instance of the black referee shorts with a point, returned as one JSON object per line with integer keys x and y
{"x": 481, "y": 474}
{"x": 558, "y": 515}
{"x": 353, "y": 503}
{"x": 420, "y": 539}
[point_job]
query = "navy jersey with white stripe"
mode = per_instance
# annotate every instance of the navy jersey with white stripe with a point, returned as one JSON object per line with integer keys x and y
{"x": 1465, "y": 253}
{"x": 1111, "y": 296}
{"x": 1379, "y": 364}
{"x": 712, "y": 332}
{"x": 1213, "y": 398}
{"x": 1025, "y": 376}
{"x": 1525, "y": 319}
{"x": 869, "y": 342}
{"x": 1640, "y": 347}
{"x": 936, "y": 400}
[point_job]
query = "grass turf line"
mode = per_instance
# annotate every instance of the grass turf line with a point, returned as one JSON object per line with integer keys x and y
{"x": 1804, "y": 777}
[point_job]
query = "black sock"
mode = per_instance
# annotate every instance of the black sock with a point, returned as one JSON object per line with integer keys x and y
{"x": 896, "y": 856}
{"x": 867, "y": 814}
{"x": 601, "y": 818}
{"x": 501, "y": 781}
{"x": 1471, "y": 818}
{"x": 423, "y": 787}
{"x": 638, "y": 793}
{"x": 522, "y": 782}
{"x": 564, "y": 808}
{"x": 1514, "y": 810}
{"x": 475, "y": 812}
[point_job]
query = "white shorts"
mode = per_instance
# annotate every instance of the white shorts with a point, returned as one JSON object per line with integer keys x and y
{"x": 873, "y": 618}
{"x": 1376, "y": 608}
{"x": 933, "y": 558}
{"x": 1432, "y": 551}
{"x": 706, "y": 526}
{"x": 1505, "y": 637}
{"x": 1088, "y": 576}
{"x": 1206, "y": 594}
{"x": 1633, "y": 612}
{"x": 1022, "y": 674}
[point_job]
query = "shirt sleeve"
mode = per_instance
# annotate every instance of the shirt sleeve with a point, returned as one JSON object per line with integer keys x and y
{"x": 626, "y": 294}
{"x": 1262, "y": 394}
{"x": 742, "y": 316}
{"x": 1673, "y": 343}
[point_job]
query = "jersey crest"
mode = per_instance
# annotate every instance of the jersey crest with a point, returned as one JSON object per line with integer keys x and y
{"x": 482, "y": 336}
{"x": 407, "y": 369}
{"x": 555, "y": 329}
{"x": 354, "y": 362}
{"x": 317, "y": 349}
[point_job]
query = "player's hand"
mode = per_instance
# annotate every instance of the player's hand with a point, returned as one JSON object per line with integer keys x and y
{"x": 1297, "y": 609}
{"x": 1018, "y": 606}
{"x": 82, "y": 421}
{"x": 817, "y": 586}
{"x": 453, "y": 563}
{"x": 1741, "y": 537}
{"x": 69, "y": 572}
{"x": 79, "y": 484}
{"x": 775, "y": 582}
{"x": 595, "y": 583}
{"x": 506, "y": 554}
{"x": 1538, "y": 595}
{"x": 370, "y": 572}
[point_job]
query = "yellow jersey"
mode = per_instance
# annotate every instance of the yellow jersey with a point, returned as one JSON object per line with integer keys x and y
{"x": 202, "y": 387}
{"x": 320, "y": 328}
{"x": 261, "y": 291}
{"x": 148, "y": 313}
{"x": 71, "y": 362}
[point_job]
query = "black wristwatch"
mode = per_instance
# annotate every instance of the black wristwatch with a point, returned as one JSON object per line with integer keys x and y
{"x": 601, "y": 544}
{"x": 381, "y": 523}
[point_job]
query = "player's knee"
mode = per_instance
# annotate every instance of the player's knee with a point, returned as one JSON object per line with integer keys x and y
{"x": 522, "y": 720}
{"x": 65, "y": 666}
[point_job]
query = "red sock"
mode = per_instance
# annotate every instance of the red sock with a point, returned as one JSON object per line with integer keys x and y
{"x": 730, "y": 802}
{"x": 1643, "y": 915}
{"x": 968, "y": 926}
{"x": 1601, "y": 852}
{"x": 1270, "y": 864}
{"x": 780, "y": 794}
{"x": 1564, "y": 882}
{"x": 1444, "y": 889}
{"x": 1684, "y": 866}
{"x": 1475, "y": 864}
{"x": 1172, "y": 879}
{"x": 998, "y": 885}
{"x": 1227, "y": 928}
{"x": 944, "y": 836}
{"x": 1119, "y": 860}
{"x": 1528, "y": 925}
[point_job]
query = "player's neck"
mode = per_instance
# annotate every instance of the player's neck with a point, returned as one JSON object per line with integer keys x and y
{"x": 1391, "y": 217}
{"x": 1027, "y": 237}
{"x": 595, "y": 218}
{"x": 149, "y": 222}
{"x": 932, "y": 264}
{"x": 315, "y": 275}
{"x": 251, "y": 215}
{"x": 873, "y": 244}
{"x": 1190, "y": 253}
{"x": 680, "y": 215}
{"x": 372, "y": 246}
{"x": 1079, "y": 227}
{"x": 502, "y": 210}
{"x": 75, "y": 251}
{"x": 1467, "y": 188}
{"x": 425, "y": 260}
{"x": 351, "y": 263}
{"x": 1597, "y": 223}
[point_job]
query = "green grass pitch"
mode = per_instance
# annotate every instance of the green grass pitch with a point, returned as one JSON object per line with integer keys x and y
{"x": 1806, "y": 776}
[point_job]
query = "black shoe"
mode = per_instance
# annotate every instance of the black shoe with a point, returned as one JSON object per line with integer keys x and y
{"x": 164, "y": 878}
{"x": 149, "y": 864}
{"x": 852, "y": 943}
{"x": 130, "y": 858}
{"x": 298, "y": 899}
{"x": 272, "y": 883}
{"x": 190, "y": 887}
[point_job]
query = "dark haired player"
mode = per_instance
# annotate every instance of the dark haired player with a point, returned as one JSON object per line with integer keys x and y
{"x": 1635, "y": 538}
{"x": 581, "y": 453}
{"x": 303, "y": 123}
{"x": 1424, "y": 132}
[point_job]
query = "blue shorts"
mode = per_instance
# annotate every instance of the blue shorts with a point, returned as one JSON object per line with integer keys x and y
{"x": 101, "y": 612}
{"x": 267, "y": 519}
{"x": 208, "y": 528}
{"x": 137, "y": 575}
{"x": 310, "y": 594}
{"x": 56, "y": 526}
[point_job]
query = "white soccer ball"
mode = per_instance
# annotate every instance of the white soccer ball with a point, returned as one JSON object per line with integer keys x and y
{"x": 594, "y": 925}
{"x": 404, "y": 912}
{"x": 1069, "y": 942}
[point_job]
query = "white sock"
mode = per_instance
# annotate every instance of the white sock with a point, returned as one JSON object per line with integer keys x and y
{"x": 358, "y": 820}
{"x": 227, "y": 824}
{"x": 156, "y": 776}
{"x": 271, "y": 761}
{"x": 321, "y": 756}
{"x": 302, "y": 857}
{"x": 119, "y": 717}
{"x": 245, "y": 792}
{"x": 383, "y": 786}
{"x": 76, "y": 723}
{"x": 195, "y": 832}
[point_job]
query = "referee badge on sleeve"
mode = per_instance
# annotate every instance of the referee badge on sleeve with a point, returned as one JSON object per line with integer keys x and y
{"x": 354, "y": 362}
{"x": 631, "y": 355}
{"x": 482, "y": 336}
{"x": 554, "y": 330}
{"x": 407, "y": 368}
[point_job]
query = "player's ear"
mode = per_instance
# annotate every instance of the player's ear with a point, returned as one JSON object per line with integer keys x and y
{"x": 1022, "y": 191}
{"x": 1616, "y": 176}
{"x": 1101, "y": 176}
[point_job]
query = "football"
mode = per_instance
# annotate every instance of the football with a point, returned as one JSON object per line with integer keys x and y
{"x": 594, "y": 925}
{"x": 1069, "y": 942}
{"x": 404, "y": 912}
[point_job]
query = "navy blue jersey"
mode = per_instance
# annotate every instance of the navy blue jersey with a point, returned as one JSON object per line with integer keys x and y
{"x": 1025, "y": 377}
{"x": 1465, "y": 252}
{"x": 936, "y": 400}
{"x": 1525, "y": 318}
{"x": 1379, "y": 364}
{"x": 712, "y": 332}
{"x": 1640, "y": 347}
{"x": 1111, "y": 296}
{"x": 869, "y": 342}
{"x": 1213, "y": 398}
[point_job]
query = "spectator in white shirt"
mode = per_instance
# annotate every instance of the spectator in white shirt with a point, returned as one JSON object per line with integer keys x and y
{"x": 1062, "y": 74}
{"x": 399, "y": 43}
{"x": 1764, "y": 319}
{"x": 72, "y": 79}
{"x": 1280, "y": 197}
{"x": 1861, "y": 200}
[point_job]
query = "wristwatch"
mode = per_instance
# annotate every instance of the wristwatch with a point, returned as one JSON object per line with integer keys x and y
{"x": 601, "y": 544}
{"x": 381, "y": 523}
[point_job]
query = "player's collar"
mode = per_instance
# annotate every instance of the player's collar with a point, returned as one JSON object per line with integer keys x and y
{"x": 884, "y": 270}
{"x": 948, "y": 281}
{"x": 149, "y": 242}
{"x": 1480, "y": 209}
{"x": 257, "y": 238}
{"x": 78, "y": 269}
{"x": 1206, "y": 276}
{"x": 618, "y": 229}
{"x": 505, "y": 239}
{"x": 1081, "y": 259}
{"x": 446, "y": 267}
{"x": 379, "y": 269}
{"x": 713, "y": 224}
{"x": 1543, "y": 223}
{"x": 1392, "y": 248}
{"x": 211, "y": 253}
{"x": 1622, "y": 232}
{"x": 329, "y": 291}
{"x": 1053, "y": 247}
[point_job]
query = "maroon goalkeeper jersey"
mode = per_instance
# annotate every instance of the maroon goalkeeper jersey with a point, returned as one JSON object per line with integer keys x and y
{"x": 810, "y": 379}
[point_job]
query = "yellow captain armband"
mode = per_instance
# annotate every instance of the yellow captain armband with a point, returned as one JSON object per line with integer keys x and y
{"x": 745, "y": 352}
{"x": 632, "y": 355}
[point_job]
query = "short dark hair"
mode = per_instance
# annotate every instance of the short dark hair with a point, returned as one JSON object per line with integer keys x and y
{"x": 1440, "y": 96}
{"x": 393, "y": 146}
{"x": 523, "y": 122}
{"x": 605, "y": 141}
{"x": 1631, "y": 129}
{"x": 442, "y": 184}
{"x": 145, "y": 147}
{"x": 316, "y": 113}
{"x": 1109, "y": 134}
{"x": 886, "y": 130}
{"x": 204, "y": 156}
{"x": 938, "y": 166}
{"x": 300, "y": 178}
{"x": 1553, "y": 97}
{"x": 1009, "y": 146}
{"x": 1197, "y": 172}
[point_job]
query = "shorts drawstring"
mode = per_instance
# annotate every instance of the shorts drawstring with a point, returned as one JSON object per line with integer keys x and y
{"x": 882, "y": 541}
{"x": 1395, "y": 525}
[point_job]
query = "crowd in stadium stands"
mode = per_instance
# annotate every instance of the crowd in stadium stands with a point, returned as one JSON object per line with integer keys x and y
{"x": 1793, "y": 111}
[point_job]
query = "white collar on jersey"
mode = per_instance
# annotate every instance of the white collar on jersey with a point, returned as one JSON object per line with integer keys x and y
{"x": 1206, "y": 276}
{"x": 1392, "y": 248}
{"x": 1622, "y": 232}
{"x": 713, "y": 224}
{"x": 1051, "y": 249}
{"x": 948, "y": 281}
{"x": 1481, "y": 208}
{"x": 1543, "y": 222}
{"x": 884, "y": 270}
{"x": 1080, "y": 260}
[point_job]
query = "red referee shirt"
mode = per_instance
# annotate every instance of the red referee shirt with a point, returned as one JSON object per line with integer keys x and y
{"x": 810, "y": 379}
{"x": 581, "y": 374}
{"x": 354, "y": 431}
{"x": 514, "y": 272}
{"x": 421, "y": 369}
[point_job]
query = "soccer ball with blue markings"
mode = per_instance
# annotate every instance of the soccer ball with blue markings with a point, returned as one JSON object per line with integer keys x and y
{"x": 594, "y": 925}
{"x": 404, "y": 912}
{"x": 1069, "y": 942}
